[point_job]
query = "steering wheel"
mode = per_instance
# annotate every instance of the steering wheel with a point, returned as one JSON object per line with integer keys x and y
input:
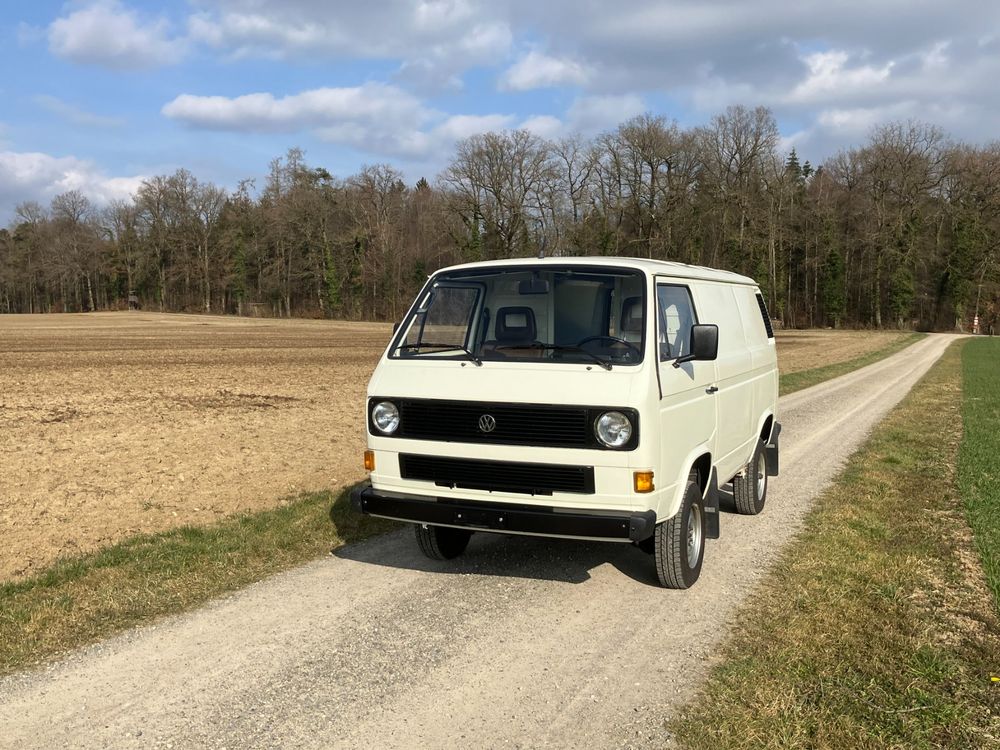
{"x": 614, "y": 340}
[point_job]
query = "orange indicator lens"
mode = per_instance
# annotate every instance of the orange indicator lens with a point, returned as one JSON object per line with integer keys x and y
{"x": 369, "y": 460}
{"x": 643, "y": 481}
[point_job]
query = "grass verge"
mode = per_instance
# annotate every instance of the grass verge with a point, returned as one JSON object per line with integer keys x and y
{"x": 83, "y": 599}
{"x": 979, "y": 458}
{"x": 796, "y": 381}
{"x": 875, "y": 628}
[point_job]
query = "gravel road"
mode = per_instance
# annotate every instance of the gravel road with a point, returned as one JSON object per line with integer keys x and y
{"x": 524, "y": 643}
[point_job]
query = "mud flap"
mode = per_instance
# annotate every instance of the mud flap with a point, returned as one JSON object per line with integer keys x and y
{"x": 771, "y": 451}
{"x": 711, "y": 504}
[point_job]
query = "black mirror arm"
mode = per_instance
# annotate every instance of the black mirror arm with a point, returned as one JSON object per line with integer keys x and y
{"x": 686, "y": 358}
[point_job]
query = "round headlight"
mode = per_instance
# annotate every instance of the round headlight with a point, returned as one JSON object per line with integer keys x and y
{"x": 613, "y": 429}
{"x": 385, "y": 416}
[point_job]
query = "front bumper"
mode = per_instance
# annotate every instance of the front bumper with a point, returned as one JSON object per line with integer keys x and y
{"x": 507, "y": 518}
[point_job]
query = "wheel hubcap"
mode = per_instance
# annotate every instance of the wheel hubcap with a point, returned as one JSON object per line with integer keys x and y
{"x": 761, "y": 476}
{"x": 694, "y": 535}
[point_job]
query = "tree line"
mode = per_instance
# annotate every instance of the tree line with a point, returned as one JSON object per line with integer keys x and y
{"x": 902, "y": 231}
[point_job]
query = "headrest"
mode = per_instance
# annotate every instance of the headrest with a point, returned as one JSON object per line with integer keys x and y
{"x": 632, "y": 315}
{"x": 515, "y": 324}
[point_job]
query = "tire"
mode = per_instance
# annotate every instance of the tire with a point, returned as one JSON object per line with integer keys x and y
{"x": 442, "y": 542}
{"x": 679, "y": 542}
{"x": 750, "y": 488}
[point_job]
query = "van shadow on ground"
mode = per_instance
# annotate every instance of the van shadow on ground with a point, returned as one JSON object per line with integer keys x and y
{"x": 541, "y": 558}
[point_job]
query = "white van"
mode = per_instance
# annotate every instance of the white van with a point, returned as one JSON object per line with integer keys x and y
{"x": 588, "y": 398}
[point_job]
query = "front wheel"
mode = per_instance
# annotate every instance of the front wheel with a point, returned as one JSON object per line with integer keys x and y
{"x": 679, "y": 542}
{"x": 750, "y": 488}
{"x": 442, "y": 542}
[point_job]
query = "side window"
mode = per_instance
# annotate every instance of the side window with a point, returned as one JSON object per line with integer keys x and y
{"x": 676, "y": 316}
{"x": 765, "y": 316}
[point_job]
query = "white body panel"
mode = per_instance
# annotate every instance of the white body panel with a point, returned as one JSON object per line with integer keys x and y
{"x": 680, "y": 418}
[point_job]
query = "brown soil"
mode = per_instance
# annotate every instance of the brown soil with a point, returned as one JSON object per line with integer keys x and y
{"x": 113, "y": 424}
{"x": 806, "y": 350}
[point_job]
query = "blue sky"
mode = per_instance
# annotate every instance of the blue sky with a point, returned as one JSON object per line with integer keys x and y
{"x": 100, "y": 94}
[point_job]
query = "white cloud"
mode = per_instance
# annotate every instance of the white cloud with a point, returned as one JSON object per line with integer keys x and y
{"x": 457, "y": 127}
{"x": 537, "y": 70}
{"x": 433, "y": 41}
{"x": 373, "y": 106}
{"x": 590, "y": 114}
{"x": 544, "y": 126}
{"x": 75, "y": 115}
{"x": 109, "y": 34}
{"x": 830, "y": 77}
{"x": 378, "y": 118}
{"x": 40, "y": 177}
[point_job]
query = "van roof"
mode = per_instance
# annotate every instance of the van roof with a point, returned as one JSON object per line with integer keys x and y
{"x": 649, "y": 266}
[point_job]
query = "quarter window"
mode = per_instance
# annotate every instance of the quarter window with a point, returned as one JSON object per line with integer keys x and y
{"x": 445, "y": 320}
{"x": 676, "y": 316}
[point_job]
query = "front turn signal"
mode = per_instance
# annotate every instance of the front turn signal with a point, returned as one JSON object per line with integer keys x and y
{"x": 642, "y": 481}
{"x": 369, "y": 460}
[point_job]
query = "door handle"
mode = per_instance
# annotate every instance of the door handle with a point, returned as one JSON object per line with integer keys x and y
{"x": 712, "y": 389}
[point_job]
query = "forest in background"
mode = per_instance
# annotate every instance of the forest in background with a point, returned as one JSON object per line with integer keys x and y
{"x": 902, "y": 231}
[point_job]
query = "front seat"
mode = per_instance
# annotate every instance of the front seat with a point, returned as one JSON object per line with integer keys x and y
{"x": 515, "y": 334}
{"x": 631, "y": 322}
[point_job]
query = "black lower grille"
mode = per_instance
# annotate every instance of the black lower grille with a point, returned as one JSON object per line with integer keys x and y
{"x": 501, "y": 476}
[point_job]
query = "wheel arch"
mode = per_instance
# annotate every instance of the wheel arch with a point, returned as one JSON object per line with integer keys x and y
{"x": 699, "y": 459}
{"x": 765, "y": 425}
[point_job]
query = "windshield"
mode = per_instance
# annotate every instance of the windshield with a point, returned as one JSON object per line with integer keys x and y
{"x": 568, "y": 314}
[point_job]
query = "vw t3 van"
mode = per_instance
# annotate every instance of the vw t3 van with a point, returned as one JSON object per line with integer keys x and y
{"x": 587, "y": 398}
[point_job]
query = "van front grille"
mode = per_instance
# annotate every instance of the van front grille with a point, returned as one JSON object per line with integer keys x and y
{"x": 541, "y": 425}
{"x": 499, "y": 476}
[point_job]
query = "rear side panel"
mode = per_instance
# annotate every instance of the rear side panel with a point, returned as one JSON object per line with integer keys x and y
{"x": 736, "y": 420}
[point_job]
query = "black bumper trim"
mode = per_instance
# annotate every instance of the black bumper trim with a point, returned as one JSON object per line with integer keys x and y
{"x": 771, "y": 451}
{"x": 634, "y": 527}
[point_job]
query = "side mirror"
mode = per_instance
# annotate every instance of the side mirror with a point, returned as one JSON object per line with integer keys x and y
{"x": 395, "y": 327}
{"x": 704, "y": 344}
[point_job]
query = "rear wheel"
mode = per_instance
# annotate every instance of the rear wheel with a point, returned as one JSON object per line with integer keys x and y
{"x": 442, "y": 542}
{"x": 750, "y": 488}
{"x": 679, "y": 542}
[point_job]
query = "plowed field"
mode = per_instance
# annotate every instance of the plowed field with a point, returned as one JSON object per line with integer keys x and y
{"x": 112, "y": 424}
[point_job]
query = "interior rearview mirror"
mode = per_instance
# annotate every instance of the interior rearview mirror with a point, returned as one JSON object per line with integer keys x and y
{"x": 533, "y": 286}
{"x": 704, "y": 344}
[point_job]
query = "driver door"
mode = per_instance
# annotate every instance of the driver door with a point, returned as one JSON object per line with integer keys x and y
{"x": 687, "y": 399}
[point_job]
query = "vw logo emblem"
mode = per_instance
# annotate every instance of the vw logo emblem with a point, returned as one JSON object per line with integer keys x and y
{"x": 487, "y": 423}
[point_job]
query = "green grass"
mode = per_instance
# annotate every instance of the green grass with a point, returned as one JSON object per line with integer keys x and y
{"x": 796, "y": 381}
{"x": 875, "y": 628}
{"x": 979, "y": 458}
{"x": 83, "y": 599}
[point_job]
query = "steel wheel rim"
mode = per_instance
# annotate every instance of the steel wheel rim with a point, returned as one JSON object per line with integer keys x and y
{"x": 694, "y": 532}
{"x": 761, "y": 476}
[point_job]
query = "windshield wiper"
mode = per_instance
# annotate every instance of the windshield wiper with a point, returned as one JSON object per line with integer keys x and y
{"x": 443, "y": 348}
{"x": 561, "y": 348}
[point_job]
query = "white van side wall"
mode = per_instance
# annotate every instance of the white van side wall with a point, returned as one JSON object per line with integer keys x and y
{"x": 746, "y": 376}
{"x": 763, "y": 351}
{"x": 736, "y": 421}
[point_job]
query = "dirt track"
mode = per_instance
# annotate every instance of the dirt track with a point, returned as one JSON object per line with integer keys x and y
{"x": 523, "y": 643}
